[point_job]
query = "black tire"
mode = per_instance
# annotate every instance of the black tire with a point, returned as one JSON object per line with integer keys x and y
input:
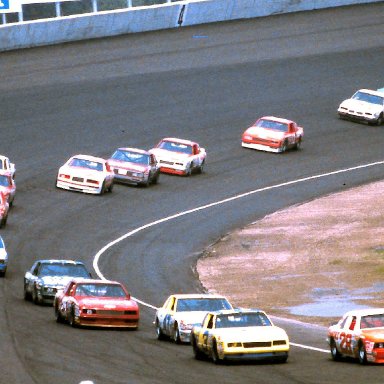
{"x": 27, "y": 295}
{"x": 281, "y": 359}
{"x": 362, "y": 354}
{"x": 110, "y": 189}
{"x": 336, "y": 355}
{"x": 159, "y": 332}
{"x": 200, "y": 170}
{"x": 176, "y": 334}
{"x": 379, "y": 120}
{"x": 155, "y": 180}
{"x": 102, "y": 191}
{"x": 35, "y": 297}
{"x": 215, "y": 355}
{"x": 3, "y": 222}
{"x": 188, "y": 171}
{"x": 71, "y": 318}
{"x": 284, "y": 146}
{"x": 196, "y": 351}
{"x": 59, "y": 318}
{"x": 298, "y": 145}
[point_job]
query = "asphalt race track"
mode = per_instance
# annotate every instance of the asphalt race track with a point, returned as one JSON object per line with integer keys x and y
{"x": 208, "y": 84}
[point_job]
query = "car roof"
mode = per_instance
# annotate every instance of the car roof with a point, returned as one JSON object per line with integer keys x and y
{"x": 238, "y": 311}
{"x": 198, "y": 296}
{"x": 277, "y": 119}
{"x": 137, "y": 150}
{"x": 79, "y": 280}
{"x": 89, "y": 157}
{"x": 181, "y": 141}
{"x": 371, "y": 92}
{"x": 365, "y": 312}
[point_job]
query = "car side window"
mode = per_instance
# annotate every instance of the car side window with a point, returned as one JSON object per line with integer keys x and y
{"x": 210, "y": 322}
{"x": 36, "y": 269}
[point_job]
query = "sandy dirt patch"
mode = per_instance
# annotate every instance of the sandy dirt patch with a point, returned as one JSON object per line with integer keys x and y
{"x": 322, "y": 252}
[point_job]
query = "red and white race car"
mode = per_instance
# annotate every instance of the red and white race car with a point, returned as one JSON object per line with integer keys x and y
{"x": 273, "y": 134}
{"x": 7, "y": 166}
{"x": 180, "y": 157}
{"x": 359, "y": 334}
{"x": 96, "y": 303}
{"x": 7, "y": 186}
{"x": 87, "y": 174}
{"x": 4, "y": 209}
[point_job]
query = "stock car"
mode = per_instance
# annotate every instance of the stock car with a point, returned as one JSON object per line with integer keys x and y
{"x": 273, "y": 134}
{"x": 179, "y": 157}
{"x": 134, "y": 166}
{"x": 88, "y": 174}
{"x": 96, "y": 303}
{"x": 180, "y": 312}
{"x": 359, "y": 334}
{"x": 47, "y": 277}
{"x": 3, "y": 258}
{"x": 4, "y": 209}
{"x": 7, "y": 166}
{"x": 246, "y": 334}
{"x": 364, "y": 105}
{"x": 7, "y": 186}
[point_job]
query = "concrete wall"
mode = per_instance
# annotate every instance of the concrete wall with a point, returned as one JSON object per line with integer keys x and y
{"x": 141, "y": 19}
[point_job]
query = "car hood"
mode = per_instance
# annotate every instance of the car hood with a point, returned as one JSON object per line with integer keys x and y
{"x": 56, "y": 281}
{"x": 169, "y": 155}
{"x": 374, "y": 334}
{"x": 244, "y": 334}
{"x": 3, "y": 254}
{"x": 127, "y": 165}
{"x": 361, "y": 105}
{"x": 82, "y": 172}
{"x": 264, "y": 133}
{"x": 107, "y": 303}
{"x": 194, "y": 318}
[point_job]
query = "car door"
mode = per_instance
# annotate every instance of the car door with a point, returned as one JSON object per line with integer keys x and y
{"x": 345, "y": 336}
{"x": 206, "y": 334}
{"x": 31, "y": 276}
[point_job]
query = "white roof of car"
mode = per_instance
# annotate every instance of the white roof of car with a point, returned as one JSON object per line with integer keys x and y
{"x": 181, "y": 141}
{"x": 372, "y": 92}
{"x": 136, "y": 150}
{"x": 278, "y": 119}
{"x": 88, "y": 157}
{"x": 198, "y": 296}
{"x": 365, "y": 312}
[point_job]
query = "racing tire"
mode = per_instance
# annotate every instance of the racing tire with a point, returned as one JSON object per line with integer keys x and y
{"x": 336, "y": 355}
{"x": 201, "y": 168}
{"x": 215, "y": 355}
{"x": 196, "y": 351}
{"x": 159, "y": 333}
{"x": 71, "y": 318}
{"x": 188, "y": 171}
{"x": 281, "y": 359}
{"x": 176, "y": 334}
{"x": 110, "y": 189}
{"x": 284, "y": 147}
{"x": 3, "y": 222}
{"x": 362, "y": 354}
{"x": 27, "y": 295}
{"x": 298, "y": 145}
{"x": 59, "y": 317}
{"x": 35, "y": 297}
{"x": 155, "y": 180}
{"x": 102, "y": 190}
{"x": 379, "y": 120}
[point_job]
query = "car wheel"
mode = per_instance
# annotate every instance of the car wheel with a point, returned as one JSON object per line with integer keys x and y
{"x": 284, "y": 147}
{"x": 379, "y": 120}
{"x": 362, "y": 354}
{"x": 159, "y": 332}
{"x": 35, "y": 297}
{"x": 71, "y": 318}
{"x": 215, "y": 355}
{"x": 155, "y": 180}
{"x": 176, "y": 334}
{"x": 201, "y": 168}
{"x": 110, "y": 189}
{"x": 188, "y": 171}
{"x": 336, "y": 355}
{"x": 102, "y": 190}
{"x": 59, "y": 317}
{"x": 281, "y": 359}
{"x": 196, "y": 351}
{"x": 298, "y": 145}
{"x": 27, "y": 295}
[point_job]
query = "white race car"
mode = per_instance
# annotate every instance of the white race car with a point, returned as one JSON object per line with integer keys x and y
{"x": 87, "y": 174}
{"x": 180, "y": 157}
{"x": 365, "y": 105}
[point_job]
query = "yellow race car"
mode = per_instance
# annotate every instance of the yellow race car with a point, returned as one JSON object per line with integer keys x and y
{"x": 239, "y": 334}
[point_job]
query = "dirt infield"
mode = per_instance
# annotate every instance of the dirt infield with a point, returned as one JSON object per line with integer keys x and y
{"x": 310, "y": 262}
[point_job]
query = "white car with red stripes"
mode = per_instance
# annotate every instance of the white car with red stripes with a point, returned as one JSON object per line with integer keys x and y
{"x": 88, "y": 174}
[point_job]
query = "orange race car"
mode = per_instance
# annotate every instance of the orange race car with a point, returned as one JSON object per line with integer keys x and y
{"x": 359, "y": 334}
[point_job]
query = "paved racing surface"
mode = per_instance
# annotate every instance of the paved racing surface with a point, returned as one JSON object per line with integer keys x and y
{"x": 207, "y": 84}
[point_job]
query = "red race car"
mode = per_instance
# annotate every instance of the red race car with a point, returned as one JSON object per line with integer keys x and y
{"x": 359, "y": 334}
{"x": 273, "y": 134}
{"x": 7, "y": 186}
{"x": 96, "y": 303}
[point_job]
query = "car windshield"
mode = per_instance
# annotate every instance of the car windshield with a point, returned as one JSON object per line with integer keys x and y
{"x": 131, "y": 157}
{"x": 56, "y": 269}
{"x": 84, "y": 163}
{"x": 4, "y": 181}
{"x": 176, "y": 147}
{"x": 256, "y": 319}
{"x": 372, "y": 321}
{"x": 100, "y": 290}
{"x": 373, "y": 99}
{"x": 270, "y": 124}
{"x": 202, "y": 304}
{"x": 1, "y": 243}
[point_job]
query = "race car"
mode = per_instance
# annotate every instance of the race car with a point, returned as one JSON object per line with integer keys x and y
{"x": 86, "y": 174}
{"x": 180, "y": 157}
{"x": 7, "y": 166}
{"x": 364, "y": 105}
{"x": 3, "y": 258}
{"x": 7, "y": 186}
{"x": 273, "y": 134}
{"x": 246, "y": 334}
{"x": 47, "y": 277}
{"x": 134, "y": 166}
{"x": 180, "y": 312}
{"x": 4, "y": 209}
{"x": 359, "y": 334}
{"x": 96, "y": 303}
